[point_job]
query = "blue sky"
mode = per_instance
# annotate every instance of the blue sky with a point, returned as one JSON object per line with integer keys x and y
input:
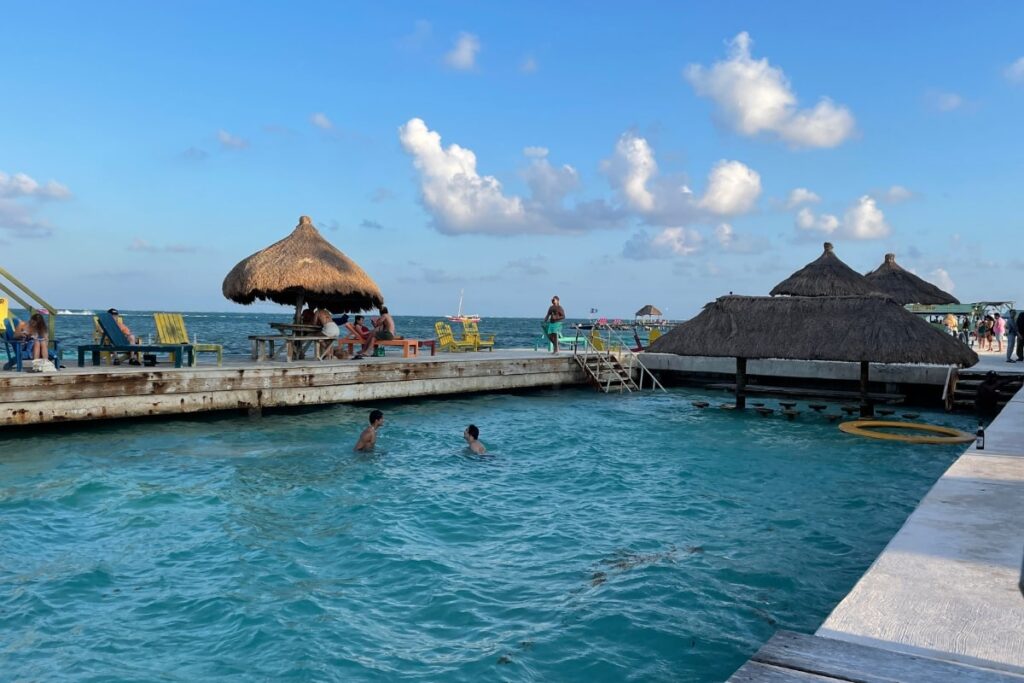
{"x": 614, "y": 155}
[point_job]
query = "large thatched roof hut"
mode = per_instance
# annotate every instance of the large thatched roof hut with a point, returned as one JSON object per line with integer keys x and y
{"x": 827, "y": 275}
{"x": 303, "y": 268}
{"x": 904, "y": 287}
{"x": 648, "y": 310}
{"x": 865, "y": 329}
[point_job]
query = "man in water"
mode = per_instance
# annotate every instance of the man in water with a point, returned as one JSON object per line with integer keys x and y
{"x": 472, "y": 437}
{"x": 553, "y": 322}
{"x": 368, "y": 439}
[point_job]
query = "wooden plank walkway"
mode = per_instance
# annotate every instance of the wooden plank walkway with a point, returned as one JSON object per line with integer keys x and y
{"x": 797, "y": 658}
{"x": 106, "y": 392}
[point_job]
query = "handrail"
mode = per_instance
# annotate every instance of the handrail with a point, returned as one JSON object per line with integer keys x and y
{"x": 30, "y": 295}
{"x": 632, "y": 360}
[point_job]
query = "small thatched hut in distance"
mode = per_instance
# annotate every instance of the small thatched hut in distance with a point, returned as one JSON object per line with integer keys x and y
{"x": 303, "y": 268}
{"x": 904, "y": 287}
{"x": 864, "y": 329}
{"x": 827, "y": 275}
{"x": 648, "y": 310}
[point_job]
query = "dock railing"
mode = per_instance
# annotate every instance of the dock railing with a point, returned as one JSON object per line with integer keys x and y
{"x": 606, "y": 352}
{"x": 29, "y": 300}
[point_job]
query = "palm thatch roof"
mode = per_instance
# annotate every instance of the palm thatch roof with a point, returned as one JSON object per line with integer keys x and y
{"x": 904, "y": 287}
{"x": 827, "y": 275}
{"x": 303, "y": 267}
{"x": 847, "y": 328}
{"x": 648, "y": 310}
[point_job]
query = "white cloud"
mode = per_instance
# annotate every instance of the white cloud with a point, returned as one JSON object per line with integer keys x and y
{"x": 668, "y": 243}
{"x": 462, "y": 201}
{"x": 941, "y": 279}
{"x": 754, "y": 97}
{"x": 733, "y": 188}
{"x": 20, "y": 196}
{"x": 463, "y": 54}
{"x": 895, "y": 195}
{"x": 1015, "y": 71}
{"x": 865, "y": 221}
{"x": 862, "y": 221}
{"x": 529, "y": 66}
{"x": 320, "y": 120}
{"x": 421, "y": 33}
{"x": 807, "y": 221}
{"x": 23, "y": 185}
{"x": 631, "y": 167}
{"x": 142, "y": 245}
{"x": 947, "y": 101}
{"x": 230, "y": 141}
{"x": 535, "y": 152}
{"x": 799, "y": 196}
{"x": 729, "y": 240}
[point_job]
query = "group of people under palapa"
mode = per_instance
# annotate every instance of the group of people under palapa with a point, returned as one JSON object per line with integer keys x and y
{"x": 368, "y": 439}
{"x": 989, "y": 331}
{"x": 331, "y": 326}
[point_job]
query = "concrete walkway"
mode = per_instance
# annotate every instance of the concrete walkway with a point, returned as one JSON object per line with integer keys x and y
{"x": 946, "y": 585}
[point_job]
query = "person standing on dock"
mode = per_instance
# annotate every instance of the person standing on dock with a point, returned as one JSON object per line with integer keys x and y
{"x": 553, "y": 322}
{"x": 472, "y": 437}
{"x": 368, "y": 439}
{"x": 1011, "y": 334}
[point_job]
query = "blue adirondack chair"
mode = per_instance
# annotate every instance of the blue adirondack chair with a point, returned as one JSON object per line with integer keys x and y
{"x": 19, "y": 350}
{"x": 115, "y": 341}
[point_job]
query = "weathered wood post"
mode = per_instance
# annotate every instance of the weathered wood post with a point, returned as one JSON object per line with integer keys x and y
{"x": 866, "y": 408}
{"x": 741, "y": 383}
{"x": 298, "y": 307}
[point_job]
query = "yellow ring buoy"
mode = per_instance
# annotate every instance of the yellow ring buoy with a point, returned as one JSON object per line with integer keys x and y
{"x": 948, "y": 435}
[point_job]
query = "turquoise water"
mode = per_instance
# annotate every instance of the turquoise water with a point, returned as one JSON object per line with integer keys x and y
{"x": 603, "y": 538}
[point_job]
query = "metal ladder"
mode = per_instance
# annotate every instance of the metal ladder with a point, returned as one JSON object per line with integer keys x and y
{"x": 614, "y": 366}
{"x": 29, "y": 300}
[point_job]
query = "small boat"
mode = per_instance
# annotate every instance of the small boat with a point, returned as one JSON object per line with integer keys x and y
{"x": 65, "y": 311}
{"x": 461, "y": 317}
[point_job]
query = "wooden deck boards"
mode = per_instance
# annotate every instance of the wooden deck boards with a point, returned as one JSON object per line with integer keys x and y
{"x": 107, "y": 392}
{"x": 793, "y": 657}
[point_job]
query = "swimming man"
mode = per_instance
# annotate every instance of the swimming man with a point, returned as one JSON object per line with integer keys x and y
{"x": 472, "y": 437}
{"x": 368, "y": 439}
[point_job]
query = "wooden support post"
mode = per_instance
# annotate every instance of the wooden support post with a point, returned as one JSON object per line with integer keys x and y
{"x": 866, "y": 409}
{"x": 741, "y": 383}
{"x": 298, "y": 308}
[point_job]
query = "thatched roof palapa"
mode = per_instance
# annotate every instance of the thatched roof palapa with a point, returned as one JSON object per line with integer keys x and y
{"x": 904, "y": 287}
{"x": 303, "y": 267}
{"x": 648, "y": 310}
{"x": 827, "y": 275}
{"x": 848, "y": 328}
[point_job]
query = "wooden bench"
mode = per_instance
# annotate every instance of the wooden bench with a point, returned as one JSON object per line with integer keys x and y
{"x": 293, "y": 347}
{"x": 410, "y": 347}
{"x": 177, "y": 351}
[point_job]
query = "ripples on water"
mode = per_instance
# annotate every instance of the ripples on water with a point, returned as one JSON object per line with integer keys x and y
{"x": 602, "y": 538}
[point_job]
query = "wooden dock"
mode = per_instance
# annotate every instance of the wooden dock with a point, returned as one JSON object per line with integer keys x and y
{"x": 106, "y": 392}
{"x": 796, "y": 658}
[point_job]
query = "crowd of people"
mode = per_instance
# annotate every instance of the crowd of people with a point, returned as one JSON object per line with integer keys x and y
{"x": 382, "y": 329}
{"x": 988, "y": 332}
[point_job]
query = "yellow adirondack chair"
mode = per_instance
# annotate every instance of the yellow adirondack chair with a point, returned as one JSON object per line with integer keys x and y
{"x": 170, "y": 329}
{"x": 448, "y": 340}
{"x": 595, "y": 340}
{"x": 653, "y": 335}
{"x": 471, "y": 333}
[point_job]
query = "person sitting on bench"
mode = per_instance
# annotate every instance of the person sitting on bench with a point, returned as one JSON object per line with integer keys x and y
{"x": 133, "y": 358}
{"x": 357, "y": 330}
{"x": 384, "y": 328}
